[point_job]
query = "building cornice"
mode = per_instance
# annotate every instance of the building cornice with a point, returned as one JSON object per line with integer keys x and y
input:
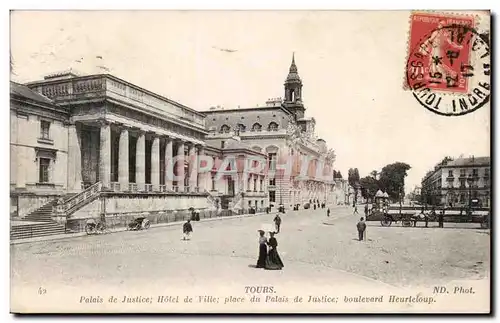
{"x": 117, "y": 79}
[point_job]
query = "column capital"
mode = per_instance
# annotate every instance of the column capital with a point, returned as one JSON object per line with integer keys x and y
{"x": 103, "y": 122}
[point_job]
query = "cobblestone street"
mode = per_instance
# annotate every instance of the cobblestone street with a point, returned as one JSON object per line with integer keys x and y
{"x": 316, "y": 251}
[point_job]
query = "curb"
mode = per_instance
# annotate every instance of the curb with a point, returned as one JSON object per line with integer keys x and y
{"x": 65, "y": 236}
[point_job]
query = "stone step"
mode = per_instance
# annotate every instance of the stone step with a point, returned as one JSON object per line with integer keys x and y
{"x": 15, "y": 236}
{"x": 36, "y": 230}
{"x": 37, "y": 226}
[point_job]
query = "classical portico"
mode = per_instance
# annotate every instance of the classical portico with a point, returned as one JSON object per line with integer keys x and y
{"x": 125, "y": 137}
{"x": 134, "y": 159}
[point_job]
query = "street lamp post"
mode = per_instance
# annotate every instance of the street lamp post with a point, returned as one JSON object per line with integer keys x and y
{"x": 470, "y": 181}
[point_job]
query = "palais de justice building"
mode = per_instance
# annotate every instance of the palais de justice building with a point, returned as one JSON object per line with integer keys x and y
{"x": 87, "y": 145}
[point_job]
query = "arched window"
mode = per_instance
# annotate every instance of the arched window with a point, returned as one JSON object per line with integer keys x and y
{"x": 256, "y": 127}
{"x": 241, "y": 127}
{"x": 224, "y": 129}
{"x": 273, "y": 126}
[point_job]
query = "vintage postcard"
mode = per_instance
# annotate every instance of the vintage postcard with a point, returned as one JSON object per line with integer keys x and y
{"x": 250, "y": 162}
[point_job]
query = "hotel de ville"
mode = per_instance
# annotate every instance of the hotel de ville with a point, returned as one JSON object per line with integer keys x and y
{"x": 84, "y": 146}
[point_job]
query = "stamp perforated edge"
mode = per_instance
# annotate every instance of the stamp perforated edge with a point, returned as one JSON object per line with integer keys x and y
{"x": 448, "y": 14}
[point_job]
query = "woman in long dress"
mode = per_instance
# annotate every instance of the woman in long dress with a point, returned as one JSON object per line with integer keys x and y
{"x": 273, "y": 260}
{"x": 261, "y": 262}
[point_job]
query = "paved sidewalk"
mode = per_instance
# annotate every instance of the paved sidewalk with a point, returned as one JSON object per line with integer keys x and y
{"x": 158, "y": 225}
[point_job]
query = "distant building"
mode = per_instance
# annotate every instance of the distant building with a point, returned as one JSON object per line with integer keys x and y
{"x": 282, "y": 132}
{"x": 455, "y": 182}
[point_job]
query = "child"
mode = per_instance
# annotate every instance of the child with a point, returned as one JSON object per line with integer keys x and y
{"x": 361, "y": 229}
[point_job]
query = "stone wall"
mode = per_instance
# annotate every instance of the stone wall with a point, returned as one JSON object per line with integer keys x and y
{"x": 119, "y": 204}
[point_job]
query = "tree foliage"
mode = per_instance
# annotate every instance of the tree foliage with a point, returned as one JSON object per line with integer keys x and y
{"x": 337, "y": 174}
{"x": 369, "y": 187}
{"x": 353, "y": 177}
{"x": 392, "y": 179}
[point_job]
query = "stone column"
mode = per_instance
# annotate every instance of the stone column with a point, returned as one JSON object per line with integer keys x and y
{"x": 192, "y": 169}
{"x": 202, "y": 178}
{"x": 105, "y": 155}
{"x": 180, "y": 166}
{"x": 123, "y": 155}
{"x": 74, "y": 159}
{"x": 155, "y": 164}
{"x": 140, "y": 162}
{"x": 169, "y": 167}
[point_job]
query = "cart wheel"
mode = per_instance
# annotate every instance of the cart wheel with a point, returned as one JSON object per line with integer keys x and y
{"x": 386, "y": 222}
{"x": 406, "y": 223}
{"x": 89, "y": 228}
{"x": 146, "y": 224}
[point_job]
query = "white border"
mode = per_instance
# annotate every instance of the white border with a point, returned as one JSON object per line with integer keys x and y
{"x": 185, "y": 5}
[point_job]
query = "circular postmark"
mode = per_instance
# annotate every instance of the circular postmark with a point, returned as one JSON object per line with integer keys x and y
{"x": 448, "y": 71}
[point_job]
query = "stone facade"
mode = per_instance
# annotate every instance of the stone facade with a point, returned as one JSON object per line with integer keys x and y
{"x": 38, "y": 150}
{"x": 455, "y": 182}
{"x": 73, "y": 134}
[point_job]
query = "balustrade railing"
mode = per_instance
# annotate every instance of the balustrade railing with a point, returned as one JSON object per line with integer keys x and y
{"x": 163, "y": 188}
{"x": 115, "y": 186}
{"x": 149, "y": 187}
{"x": 70, "y": 203}
{"x": 132, "y": 187}
{"x": 176, "y": 188}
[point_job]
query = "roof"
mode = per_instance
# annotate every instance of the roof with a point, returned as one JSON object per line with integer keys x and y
{"x": 27, "y": 93}
{"x": 469, "y": 161}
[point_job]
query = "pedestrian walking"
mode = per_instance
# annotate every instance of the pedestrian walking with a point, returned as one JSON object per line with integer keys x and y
{"x": 366, "y": 210}
{"x": 273, "y": 260}
{"x": 277, "y": 222}
{"x": 328, "y": 212}
{"x": 355, "y": 210}
{"x": 261, "y": 261}
{"x": 187, "y": 228}
{"x": 314, "y": 205}
{"x": 361, "y": 226}
{"x": 441, "y": 219}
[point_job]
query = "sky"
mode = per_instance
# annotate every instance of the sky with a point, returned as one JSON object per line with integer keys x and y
{"x": 351, "y": 63}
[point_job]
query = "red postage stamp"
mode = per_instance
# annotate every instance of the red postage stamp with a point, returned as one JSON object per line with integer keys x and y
{"x": 448, "y": 66}
{"x": 447, "y": 56}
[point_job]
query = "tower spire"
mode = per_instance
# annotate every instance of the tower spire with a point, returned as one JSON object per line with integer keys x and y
{"x": 292, "y": 73}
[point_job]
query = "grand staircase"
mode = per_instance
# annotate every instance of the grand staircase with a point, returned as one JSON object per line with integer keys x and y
{"x": 39, "y": 222}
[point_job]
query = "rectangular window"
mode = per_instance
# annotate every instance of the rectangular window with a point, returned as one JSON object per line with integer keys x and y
{"x": 487, "y": 172}
{"x": 255, "y": 184}
{"x": 462, "y": 172}
{"x": 213, "y": 182}
{"x": 272, "y": 196}
{"x": 222, "y": 144}
{"x": 44, "y": 129}
{"x": 450, "y": 173}
{"x": 272, "y": 161}
{"x": 272, "y": 181}
{"x": 475, "y": 172}
{"x": 462, "y": 183}
{"x": 44, "y": 165}
{"x": 261, "y": 187}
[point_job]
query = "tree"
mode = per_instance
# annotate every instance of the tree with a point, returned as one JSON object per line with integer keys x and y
{"x": 392, "y": 179}
{"x": 369, "y": 186}
{"x": 353, "y": 179}
{"x": 374, "y": 173}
